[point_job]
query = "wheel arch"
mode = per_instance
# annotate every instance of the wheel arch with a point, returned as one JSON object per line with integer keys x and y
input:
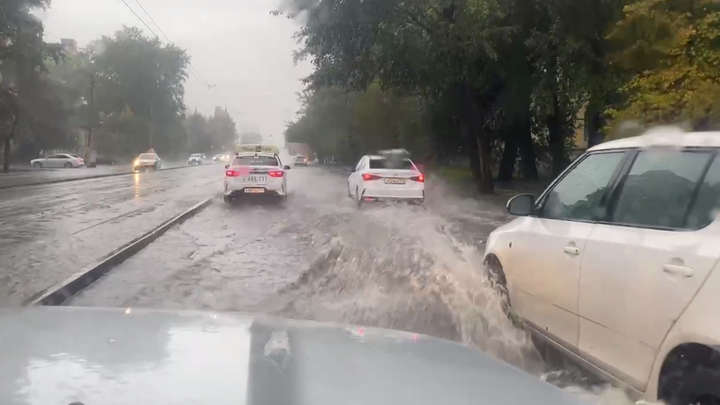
{"x": 681, "y": 360}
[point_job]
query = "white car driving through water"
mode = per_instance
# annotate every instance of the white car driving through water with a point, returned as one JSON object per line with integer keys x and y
{"x": 255, "y": 174}
{"x": 386, "y": 177}
{"x": 615, "y": 264}
{"x": 66, "y": 160}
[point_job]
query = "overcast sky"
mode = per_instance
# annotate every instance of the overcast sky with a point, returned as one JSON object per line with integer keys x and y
{"x": 234, "y": 44}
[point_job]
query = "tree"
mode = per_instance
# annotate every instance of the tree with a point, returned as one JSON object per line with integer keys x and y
{"x": 138, "y": 74}
{"x": 27, "y": 100}
{"x": 251, "y": 137}
{"x": 669, "y": 49}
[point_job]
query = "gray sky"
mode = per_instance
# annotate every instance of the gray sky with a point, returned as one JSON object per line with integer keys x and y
{"x": 234, "y": 44}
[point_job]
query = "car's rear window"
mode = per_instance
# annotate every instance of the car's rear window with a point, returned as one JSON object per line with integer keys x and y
{"x": 147, "y": 156}
{"x": 404, "y": 164}
{"x": 255, "y": 161}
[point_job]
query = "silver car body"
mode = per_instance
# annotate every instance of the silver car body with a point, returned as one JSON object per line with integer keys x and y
{"x": 57, "y": 355}
{"x": 58, "y": 160}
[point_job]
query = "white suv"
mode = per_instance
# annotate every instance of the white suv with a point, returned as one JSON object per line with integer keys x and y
{"x": 613, "y": 264}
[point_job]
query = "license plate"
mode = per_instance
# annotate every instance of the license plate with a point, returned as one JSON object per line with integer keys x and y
{"x": 394, "y": 181}
{"x": 255, "y": 190}
{"x": 254, "y": 179}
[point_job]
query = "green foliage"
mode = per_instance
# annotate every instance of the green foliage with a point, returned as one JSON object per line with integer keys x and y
{"x": 670, "y": 50}
{"x": 342, "y": 126}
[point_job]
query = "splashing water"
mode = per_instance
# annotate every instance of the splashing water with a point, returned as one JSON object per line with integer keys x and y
{"x": 407, "y": 268}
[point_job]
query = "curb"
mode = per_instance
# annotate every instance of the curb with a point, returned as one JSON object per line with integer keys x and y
{"x": 97, "y": 176}
{"x": 59, "y": 293}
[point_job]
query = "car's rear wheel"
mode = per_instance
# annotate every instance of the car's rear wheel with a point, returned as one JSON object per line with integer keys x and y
{"x": 37, "y": 165}
{"x": 349, "y": 192}
{"x": 699, "y": 386}
{"x": 358, "y": 197}
{"x": 68, "y": 165}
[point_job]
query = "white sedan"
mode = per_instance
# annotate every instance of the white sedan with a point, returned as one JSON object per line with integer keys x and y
{"x": 255, "y": 174}
{"x": 65, "y": 160}
{"x": 376, "y": 178}
{"x": 616, "y": 264}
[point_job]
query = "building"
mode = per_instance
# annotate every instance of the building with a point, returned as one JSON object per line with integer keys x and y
{"x": 69, "y": 45}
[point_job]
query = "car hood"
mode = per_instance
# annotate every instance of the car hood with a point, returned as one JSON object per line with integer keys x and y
{"x": 57, "y": 355}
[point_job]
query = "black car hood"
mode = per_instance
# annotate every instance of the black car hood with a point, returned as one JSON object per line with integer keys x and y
{"x": 129, "y": 356}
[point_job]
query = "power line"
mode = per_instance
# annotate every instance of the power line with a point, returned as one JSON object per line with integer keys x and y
{"x": 192, "y": 68}
{"x": 138, "y": 17}
{"x": 152, "y": 19}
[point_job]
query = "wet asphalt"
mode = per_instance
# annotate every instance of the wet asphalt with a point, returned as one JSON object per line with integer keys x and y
{"x": 51, "y": 231}
{"x": 317, "y": 256}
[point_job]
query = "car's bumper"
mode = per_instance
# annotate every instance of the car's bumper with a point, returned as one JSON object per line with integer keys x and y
{"x": 243, "y": 189}
{"x": 401, "y": 194}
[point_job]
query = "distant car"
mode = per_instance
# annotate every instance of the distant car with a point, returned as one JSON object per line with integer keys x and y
{"x": 218, "y": 158}
{"x": 377, "y": 178}
{"x": 255, "y": 174}
{"x": 105, "y": 160}
{"x": 65, "y": 160}
{"x": 195, "y": 159}
{"x": 301, "y": 160}
{"x": 147, "y": 161}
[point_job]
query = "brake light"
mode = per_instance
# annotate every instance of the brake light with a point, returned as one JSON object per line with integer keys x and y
{"x": 232, "y": 173}
{"x": 276, "y": 174}
{"x": 420, "y": 178}
{"x": 369, "y": 177}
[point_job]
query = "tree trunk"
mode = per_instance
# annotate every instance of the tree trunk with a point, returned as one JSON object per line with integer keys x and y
{"x": 509, "y": 157}
{"x": 483, "y": 142}
{"x": 6, "y": 142}
{"x": 556, "y": 138}
{"x": 6, "y": 153}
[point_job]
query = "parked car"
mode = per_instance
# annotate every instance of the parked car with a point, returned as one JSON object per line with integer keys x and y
{"x": 615, "y": 264}
{"x": 66, "y": 160}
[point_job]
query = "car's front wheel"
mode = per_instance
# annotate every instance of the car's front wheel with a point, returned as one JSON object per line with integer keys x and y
{"x": 496, "y": 275}
{"x": 227, "y": 199}
{"x": 37, "y": 165}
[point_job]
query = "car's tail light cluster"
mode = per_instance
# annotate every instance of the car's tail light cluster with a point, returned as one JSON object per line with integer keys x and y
{"x": 370, "y": 177}
{"x": 276, "y": 174}
{"x": 232, "y": 173}
{"x": 420, "y": 178}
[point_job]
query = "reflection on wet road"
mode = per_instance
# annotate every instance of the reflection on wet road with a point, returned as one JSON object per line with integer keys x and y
{"x": 51, "y": 231}
{"x": 318, "y": 256}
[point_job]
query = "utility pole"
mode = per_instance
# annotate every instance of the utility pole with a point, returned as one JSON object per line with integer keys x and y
{"x": 90, "y": 138}
{"x": 152, "y": 124}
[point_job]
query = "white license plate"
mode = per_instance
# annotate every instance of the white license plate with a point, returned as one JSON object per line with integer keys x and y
{"x": 394, "y": 181}
{"x": 249, "y": 179}
{"x": 255, "y": 190}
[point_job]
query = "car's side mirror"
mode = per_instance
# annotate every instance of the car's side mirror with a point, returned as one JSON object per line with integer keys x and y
{"x": 227, "y": 167}
{"x": 521, "y": 205}
{"x": 286, "y": 167}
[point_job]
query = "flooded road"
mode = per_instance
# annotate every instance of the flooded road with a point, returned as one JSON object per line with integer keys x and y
{"x": 316, "y": 257}
{"x": 51, "y": 231}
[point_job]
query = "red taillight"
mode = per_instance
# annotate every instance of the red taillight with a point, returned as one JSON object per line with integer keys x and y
{"x": 276, "y": 174}
{"x": 232, "y": 173}
{"x": 419, "y": 179}
{"x": 369, "y": 177}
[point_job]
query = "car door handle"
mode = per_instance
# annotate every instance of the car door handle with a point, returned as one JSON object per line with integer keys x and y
{"x": 572, "y": 250}
{"x": 676, "y": 269}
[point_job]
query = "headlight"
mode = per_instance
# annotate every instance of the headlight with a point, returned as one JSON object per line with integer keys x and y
{"x": 136, "y": 162}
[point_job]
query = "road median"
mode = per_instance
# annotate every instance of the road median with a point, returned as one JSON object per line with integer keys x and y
{"x": 59, "y": 293}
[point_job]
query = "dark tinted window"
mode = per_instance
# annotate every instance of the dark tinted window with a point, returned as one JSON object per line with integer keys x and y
{"x": 403, "y": 164}
{"x": 577, "y": 196}
{"x": 658, "y": 188}
{"x": 707, "y": 202}
{"x": 255, "y": 161}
